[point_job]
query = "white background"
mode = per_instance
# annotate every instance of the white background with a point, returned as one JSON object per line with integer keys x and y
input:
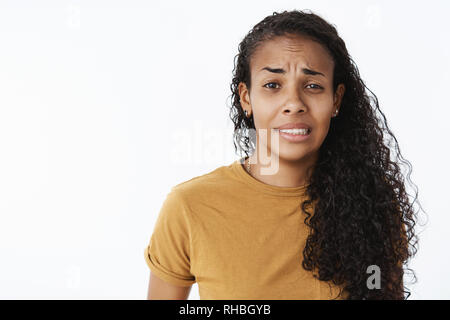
{"x": 104, "y": 105}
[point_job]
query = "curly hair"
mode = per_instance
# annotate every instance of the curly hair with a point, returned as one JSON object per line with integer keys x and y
{"x": 362, "y": 213}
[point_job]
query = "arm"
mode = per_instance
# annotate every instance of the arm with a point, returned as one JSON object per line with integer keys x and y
{"x": 161, "y": 290}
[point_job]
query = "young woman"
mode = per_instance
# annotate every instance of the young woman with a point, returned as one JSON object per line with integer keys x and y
{"x": 317, "y": 209}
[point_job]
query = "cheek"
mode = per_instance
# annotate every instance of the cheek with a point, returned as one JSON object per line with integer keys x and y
{"x": 320, "y": 132}
{"x": 264, "y": 116}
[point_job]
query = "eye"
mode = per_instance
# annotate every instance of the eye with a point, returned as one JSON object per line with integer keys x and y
{"x": 270, "y": 83}
{"x": 317, "y": 86}
{"x": 311, "y": 84}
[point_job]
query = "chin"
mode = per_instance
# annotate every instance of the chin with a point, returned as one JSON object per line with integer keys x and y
{"x": 293, "y": 154}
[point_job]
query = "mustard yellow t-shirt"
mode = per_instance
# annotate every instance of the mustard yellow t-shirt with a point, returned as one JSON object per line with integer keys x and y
{"x": 236, "y": 236}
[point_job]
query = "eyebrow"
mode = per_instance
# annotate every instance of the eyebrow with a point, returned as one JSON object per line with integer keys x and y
{"x": 282, "y": 71}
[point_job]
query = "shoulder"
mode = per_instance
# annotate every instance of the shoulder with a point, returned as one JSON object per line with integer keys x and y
{"x": 202, "y": 185}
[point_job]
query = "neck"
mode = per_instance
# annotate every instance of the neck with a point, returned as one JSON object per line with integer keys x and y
{"x": 290, "y": 173}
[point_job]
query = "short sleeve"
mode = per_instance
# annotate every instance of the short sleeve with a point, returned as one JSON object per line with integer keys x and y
{"x": 168, "y": 252}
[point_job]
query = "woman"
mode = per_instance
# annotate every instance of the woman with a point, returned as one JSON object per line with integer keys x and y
{"x": 316, "y": 209}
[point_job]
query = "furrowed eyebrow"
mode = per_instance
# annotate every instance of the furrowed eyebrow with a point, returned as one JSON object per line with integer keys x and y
{"x": 304, "y": 70}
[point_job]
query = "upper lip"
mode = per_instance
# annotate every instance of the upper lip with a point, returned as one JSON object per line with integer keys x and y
{"x": 294, "y": 125}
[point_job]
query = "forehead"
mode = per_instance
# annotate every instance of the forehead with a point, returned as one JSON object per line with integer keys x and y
{"x": 291, "y": 52}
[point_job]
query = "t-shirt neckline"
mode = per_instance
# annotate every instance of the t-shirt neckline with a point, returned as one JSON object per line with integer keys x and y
{"x": 263, "y": 187}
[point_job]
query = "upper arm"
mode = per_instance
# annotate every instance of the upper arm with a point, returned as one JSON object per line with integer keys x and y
{"x": 161, "y": 290}
{"x": 168, "y": 254}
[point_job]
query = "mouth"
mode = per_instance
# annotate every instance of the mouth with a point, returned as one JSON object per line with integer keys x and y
{"x": 302, "y": 131}
{"x": 295, "y": 135}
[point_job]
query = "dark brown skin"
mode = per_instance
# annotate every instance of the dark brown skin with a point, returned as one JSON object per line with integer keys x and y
{"x": 158, "y": 289}
{"x": 276, "y": 99}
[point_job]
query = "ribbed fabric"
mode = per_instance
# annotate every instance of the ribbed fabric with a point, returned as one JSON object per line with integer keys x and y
{"x": 237, "y": 237}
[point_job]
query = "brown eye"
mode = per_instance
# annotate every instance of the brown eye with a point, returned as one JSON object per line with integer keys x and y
{"x": 313, "y": 84}
{"x": 270, "y": 83}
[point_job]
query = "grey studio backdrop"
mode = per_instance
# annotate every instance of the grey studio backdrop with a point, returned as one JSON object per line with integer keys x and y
{"x": 105, "y": 105}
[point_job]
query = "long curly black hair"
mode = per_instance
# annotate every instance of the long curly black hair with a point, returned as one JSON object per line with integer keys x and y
{"x": 362, "y": 215}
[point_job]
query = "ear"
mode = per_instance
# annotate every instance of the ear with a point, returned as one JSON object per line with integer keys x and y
{"x": 338, "y": 95}
{"x": 245, "y": 98}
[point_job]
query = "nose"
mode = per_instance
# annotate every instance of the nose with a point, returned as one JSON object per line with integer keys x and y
{"x": 294, "y": 103}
